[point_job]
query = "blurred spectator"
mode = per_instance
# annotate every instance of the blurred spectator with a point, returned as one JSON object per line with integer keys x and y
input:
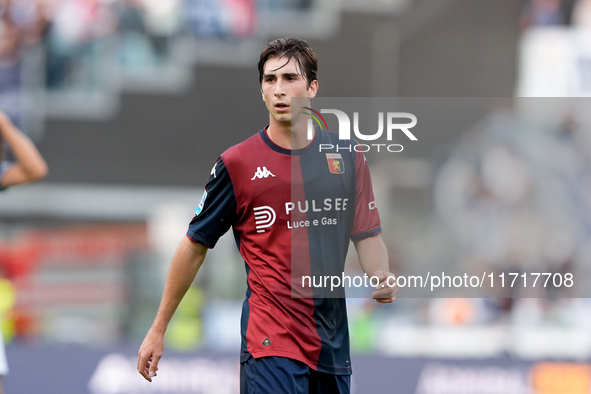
{"x": 10, "y": 37}
{"x": 76, "y": 29}
{"x": 10, "y": 65}
{"x": 30, "y": 16}
{"x": 22, "y": 22}
{"x": 543, "y": 13}
{"x": 581, "y": 15}
{"x": 146, "y": 28}
{"x": 230, "y": 18}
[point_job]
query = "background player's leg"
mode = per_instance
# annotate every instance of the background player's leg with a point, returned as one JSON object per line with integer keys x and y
{"x": 272, "y": 375}
{"x": 326, "y": 383}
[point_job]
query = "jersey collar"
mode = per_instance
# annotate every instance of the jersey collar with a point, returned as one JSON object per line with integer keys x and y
{"x": 291, "y": 152}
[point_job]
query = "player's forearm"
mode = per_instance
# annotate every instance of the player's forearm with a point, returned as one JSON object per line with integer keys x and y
{"x": 31, "y": 162}
{"x": 184, "y": 267}
{"x": 373, "y": 255}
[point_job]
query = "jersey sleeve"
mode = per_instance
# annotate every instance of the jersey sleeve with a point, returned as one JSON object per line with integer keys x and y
{"x": 216, "y": 212}
{"x": 367, "y": 218}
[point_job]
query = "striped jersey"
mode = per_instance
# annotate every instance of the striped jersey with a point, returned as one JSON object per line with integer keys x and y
{"x": 293, "y": 214}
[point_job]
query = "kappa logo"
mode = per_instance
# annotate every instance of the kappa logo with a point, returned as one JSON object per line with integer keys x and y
{"x": 260, "y": 174}
{"x": 264, "y": 217}
{"x": 213, "y": 169}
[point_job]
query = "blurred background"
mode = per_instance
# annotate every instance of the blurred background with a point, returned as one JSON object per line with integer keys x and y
{"x": 131, "y": 102}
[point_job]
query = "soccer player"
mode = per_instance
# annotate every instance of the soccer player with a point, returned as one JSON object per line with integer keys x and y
{"x": 293, "y": 211}
{"x": 28, "y": 166}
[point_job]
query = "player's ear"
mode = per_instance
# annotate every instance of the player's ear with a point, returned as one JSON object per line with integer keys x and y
{"x": 313, "y": 89}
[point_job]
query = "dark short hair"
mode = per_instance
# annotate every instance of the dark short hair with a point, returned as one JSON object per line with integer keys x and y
{"x": 291, "y": 47}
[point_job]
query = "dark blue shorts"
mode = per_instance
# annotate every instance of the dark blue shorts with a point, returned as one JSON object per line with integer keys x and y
{"x": 280, "y": 375}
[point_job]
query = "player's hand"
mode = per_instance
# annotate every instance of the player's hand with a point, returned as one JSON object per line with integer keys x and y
{"x": 384, "y": 293}
{"x": 149, "y": 354}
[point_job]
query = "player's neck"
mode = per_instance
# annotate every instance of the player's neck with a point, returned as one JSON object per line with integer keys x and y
{"x": 288, "y": 136}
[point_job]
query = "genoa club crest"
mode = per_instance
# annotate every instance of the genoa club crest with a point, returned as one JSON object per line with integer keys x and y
{"x": 336, "y": 165}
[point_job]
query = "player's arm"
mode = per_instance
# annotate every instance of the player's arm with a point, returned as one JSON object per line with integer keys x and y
{"x": 29, "y": 165}
{"x": 184, "y": 266}
{"x": 373, "y": 257}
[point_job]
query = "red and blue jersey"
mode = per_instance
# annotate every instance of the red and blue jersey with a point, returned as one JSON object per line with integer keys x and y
{"x": 293, "y": 214}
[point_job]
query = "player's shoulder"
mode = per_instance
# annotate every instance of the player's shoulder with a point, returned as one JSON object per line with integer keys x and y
{"x": 243, "y": 149}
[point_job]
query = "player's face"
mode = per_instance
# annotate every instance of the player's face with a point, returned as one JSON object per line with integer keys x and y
{"x": 281, "y": 82}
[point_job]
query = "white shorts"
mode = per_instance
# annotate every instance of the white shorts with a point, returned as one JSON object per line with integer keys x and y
{"x": 3, "y": 362}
